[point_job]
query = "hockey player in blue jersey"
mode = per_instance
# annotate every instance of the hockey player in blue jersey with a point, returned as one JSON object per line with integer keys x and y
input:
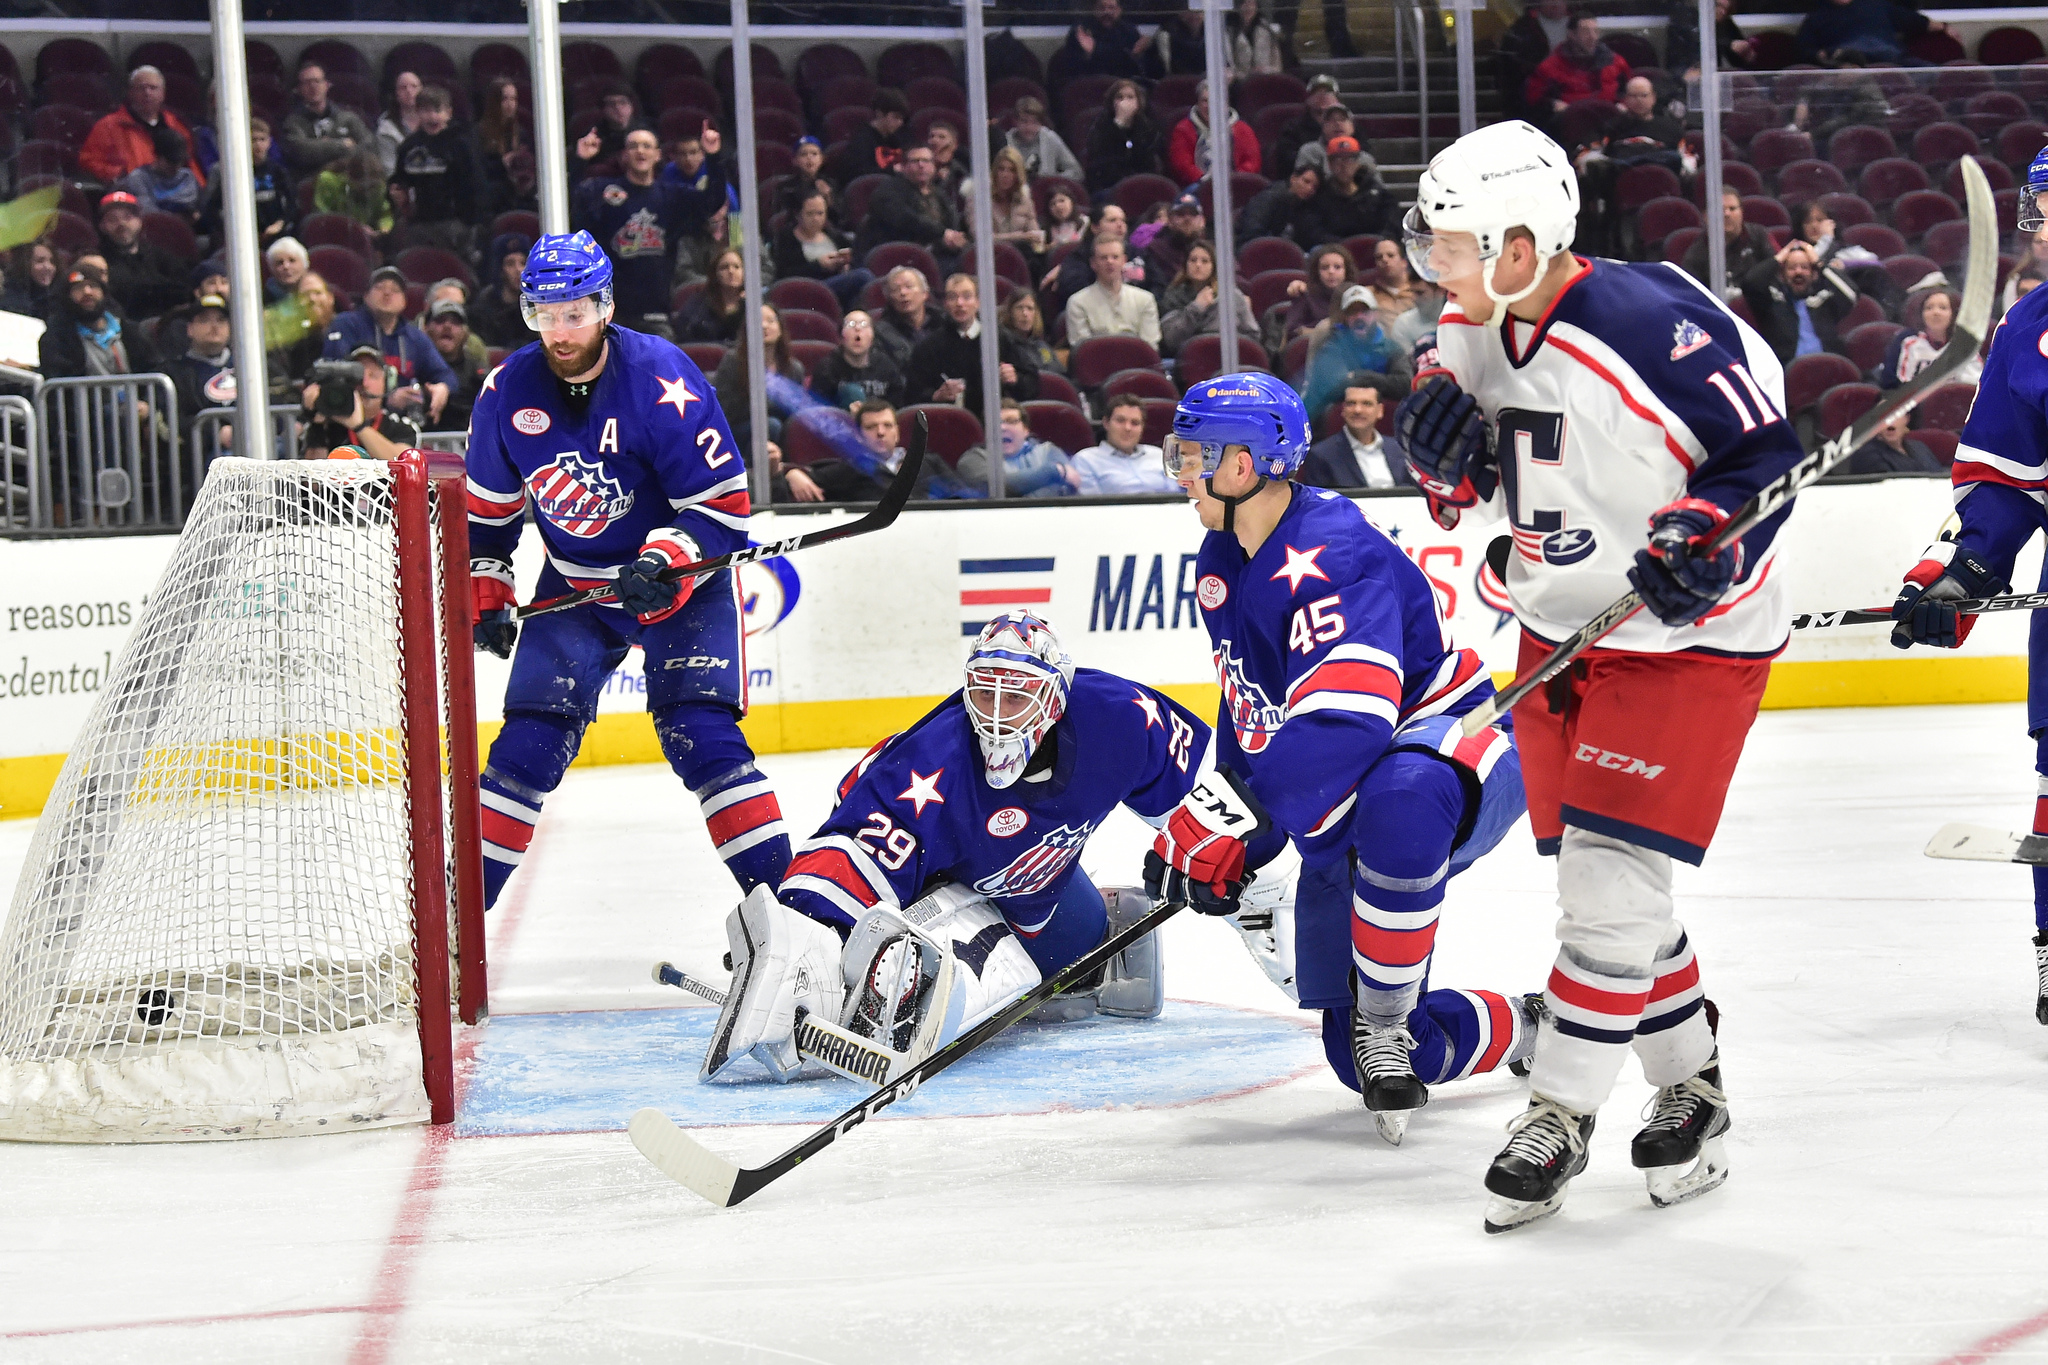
{"x": 615, "y": 441}
{"x": 2001, "y": 493}
{"x": 962, "y": 836}
{"x": 1341, "y": 696}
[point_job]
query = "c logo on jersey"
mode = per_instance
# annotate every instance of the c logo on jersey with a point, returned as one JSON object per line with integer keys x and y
{"x": 578, "y": 494}
{"x": 1008, "y": 822}
{"x": 531, "y": 421}
{"x": 1568, "y": 546}
{"x": 769, "y": 589}
{"x": 1253, "y": 718}
{"x": 1039, "y": 866}
{"x": 1212, "y": 592}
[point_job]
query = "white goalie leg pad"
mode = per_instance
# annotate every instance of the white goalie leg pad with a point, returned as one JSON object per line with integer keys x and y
{"x": 1265, "y": 919}
{"x": 1134, "y": 981}
{"x": 895, "y": 976}
{"x": 781, "y": 960}
{"x": 990, "y": 966}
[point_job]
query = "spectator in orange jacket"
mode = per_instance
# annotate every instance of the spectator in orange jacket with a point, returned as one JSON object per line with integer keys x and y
{"x": 124, "y": 140}
{"x": 1187, "y": 156}
{"x": 1581, "y": 68}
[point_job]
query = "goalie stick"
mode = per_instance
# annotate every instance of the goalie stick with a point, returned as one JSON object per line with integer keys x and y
{"x": 1972, "y": 323}
{"x": 837, "y": 1049}
{"x": 893, "y": 497}
{"x": 1969, "y": 606}
{"x": 725, "y": 1183}
{"x": 1983, "y": 844}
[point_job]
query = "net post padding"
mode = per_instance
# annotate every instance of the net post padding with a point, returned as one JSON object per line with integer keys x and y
{"x": 230, "y": 922}
{"x": 450, "y": 476}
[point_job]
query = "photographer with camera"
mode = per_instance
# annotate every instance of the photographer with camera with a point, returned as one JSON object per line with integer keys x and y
{"x": 344, "y": 406}
{"x": 421, "y": 379}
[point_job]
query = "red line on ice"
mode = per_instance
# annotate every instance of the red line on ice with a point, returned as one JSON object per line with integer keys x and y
{"x": 1999, "y": 1342}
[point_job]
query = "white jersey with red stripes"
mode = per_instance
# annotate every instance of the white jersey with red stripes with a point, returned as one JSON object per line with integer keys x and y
{"x": 1637, "y": 388}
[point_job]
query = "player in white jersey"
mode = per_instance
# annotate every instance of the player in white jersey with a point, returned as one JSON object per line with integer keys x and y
{"x": 1588, "y": 401}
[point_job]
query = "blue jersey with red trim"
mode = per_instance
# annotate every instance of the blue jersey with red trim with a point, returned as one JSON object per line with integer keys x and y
{"x": 1327, "y": 641}
{"x": 1636, "y": 388}
{"x": 2001, "y": 468}
{"x": 918, "y": 806}
{"x": 648, "y": 452}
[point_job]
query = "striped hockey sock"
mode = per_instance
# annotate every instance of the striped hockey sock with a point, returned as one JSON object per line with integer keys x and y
{"x": 746, "y": 826}
{"x": 1595, "y": 1008}
{"x": 510, "y": 812}
{"x": 1673, "y": 1040}
{"x": 1393, "y": 932}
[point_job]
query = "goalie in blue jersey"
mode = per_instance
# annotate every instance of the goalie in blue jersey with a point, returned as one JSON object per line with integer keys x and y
{"x": 614, "y": 441}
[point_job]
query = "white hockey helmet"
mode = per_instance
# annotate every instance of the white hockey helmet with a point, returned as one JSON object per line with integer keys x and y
{"x": 1502, "y": 176}
{"x": 1018, "y": 679}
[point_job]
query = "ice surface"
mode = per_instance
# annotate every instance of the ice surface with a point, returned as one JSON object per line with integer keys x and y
{"x": 1880, "y": 1051}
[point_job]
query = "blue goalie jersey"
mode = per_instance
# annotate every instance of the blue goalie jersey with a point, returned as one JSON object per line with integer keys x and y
{"x": 648, "y": 451}
{"x": 1327, "y": 642}
{"x": 917, "y": 806}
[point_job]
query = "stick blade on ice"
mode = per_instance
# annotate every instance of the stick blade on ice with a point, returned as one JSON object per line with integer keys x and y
{"x": 1983, "y": 844}
{"x": 682, "y": 1158}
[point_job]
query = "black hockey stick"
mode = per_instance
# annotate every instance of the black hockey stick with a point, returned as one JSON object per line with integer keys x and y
{"x": 1968, "y": 606}
{"x": 684, "y": 1160}
{"x": 1973, "y": 321}
{"x": 893, "y": 497}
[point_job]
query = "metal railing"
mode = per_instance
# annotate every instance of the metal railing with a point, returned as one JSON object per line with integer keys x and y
{"x": 206, "y": 442}
{"x": 21, "y": 463}
{"x": 108, "y": 455}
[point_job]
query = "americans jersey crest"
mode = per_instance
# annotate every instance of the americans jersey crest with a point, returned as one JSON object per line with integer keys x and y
{"x": 1038, "y": 866}
{"x": 578, "y": 494}
{"x": 1253, "y": 716}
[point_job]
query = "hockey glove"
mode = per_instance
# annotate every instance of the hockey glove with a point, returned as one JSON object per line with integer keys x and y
{"x": 641, "y": 588}
{"x": 1443, "y": 435}
{"x": 782, "y": 961}
{"x": 1204, "y": 841}
{"x": 1947, "y": 573}
{"x": 491, "y": 587}
{"x": 1677, "y": 582}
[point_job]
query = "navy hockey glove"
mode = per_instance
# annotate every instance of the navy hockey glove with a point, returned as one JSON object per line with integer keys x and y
{"x": 641, "y": 588}
{"x": 491, "y": 588}
{"x": 1163, "y": 883}
{"x": 1677, "y": 583}
{"x": 1946, "y": 574}
{"x": 1443, "y": 435}
{"x": 1204, "y": 841}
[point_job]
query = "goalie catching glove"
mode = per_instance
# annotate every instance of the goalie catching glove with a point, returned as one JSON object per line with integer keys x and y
{"x": 1946, "y": 573}
{"x": 1198, "y": 857}
{"x": 641, "y": 588}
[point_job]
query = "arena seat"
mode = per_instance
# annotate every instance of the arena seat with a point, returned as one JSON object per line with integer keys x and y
{"x": 493, "y": 60}
{"x": 1995, "y": 174}
{"x": 1765, "y": 211}
{"x": 1854, "y": 147}
{"x": 1136, "y": 193}
{"x": 1876, "y": 238}
{"x": 1202, "y": 356}
{"x": 1885, "y": 180}
{"x": 1261, "y": 254}
{"x": 1809, "y": 180}
{"x": 1012, "y": 267}
{"x": 85, "y": 91}
{"x": 813, "y": 296}
{"x": 851, "y": 91}
{"x": 1004, "y": 94}
{"x": 1915, "y": 213}
{"x": 1842, "y": 405}
{"x": 335, "y": 56}
{"x": 1269, "y": 288}
{"x": 903, "y": 63}
{"x": 1063, "y": 424}
{"x": 1865, "y": 309}
{"x": 950, "y": 431}
{"x": 426, "y": 264}
{"x": 1867, "y": 344}
{"x": 1097, "y": 358}
{"x": 1659, "y": 218}
{"x": 70, "y": 232}
{"x": 1639, "y": 185}
{"x": 854, "y": 199}
{"x": 1145, "y": 383}
{"x": 2009, "y": 46}
{"x": 1946, "y": 408}
{"x": 1678, "y": 243}
{"x": 801, "y": 324}
{"x": 1041, "y": 192}
{"x": 429, "y": 61}
{"x": 1158, "y": 419}
{"x": 71, "y": 56}
{"x": 1941, "y": 143}
{"x": 1810, "y": 376}
{"x": 803, "y": 433}
{"x": 1948, "y": 243}
{"x": 341, "y": 268}
{"x": 888, "y": 255}
{"x": 1735, "y": 175}
{"x": 1774, "y": 148}
{"x": 172, "y": 234}
{"x": 1910, "y": 113}
{"x": 167, "y": 57}
{"x": 62, "y": 123}
{"x": 1909, "y": 269}
{"x": 660, "y": 63}
{"x": 1940, "y": 444}
{"x": 1848, "y": 210}
{"x": 821, "y": 63}
{"x": 1058, "y": 388}
{"x": 811, "y": 353}
{"x": 2018, "y": 144}
{"x": 1261, "y": 88}
{"x": 707, "y": 356}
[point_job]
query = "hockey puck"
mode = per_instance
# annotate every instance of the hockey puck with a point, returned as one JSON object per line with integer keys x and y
{"x": 728, "y": 961}
{"x": 155, "y": 1006}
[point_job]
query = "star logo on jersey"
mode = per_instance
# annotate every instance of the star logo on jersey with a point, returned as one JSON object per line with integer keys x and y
{"x": 491, "y": 379}
{"x": 578, "y": 494}
{"x": 1301, "y": 564}
{"x": 1688, "y": 336}
{"x": 922, "y": 790}
{"x": 1039, "y": 866}
{"x": 1150, "y": 706}
{"x": 676, "y": 393}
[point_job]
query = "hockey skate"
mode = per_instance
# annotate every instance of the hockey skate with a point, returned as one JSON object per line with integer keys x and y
{"x": 2041, "y": 974}
{"x": 1535, "y": 1009}
{"x": 1529, "y": 1177}
{"x": 1681, "y": 1153}
{"x": 1386, "y": 1076}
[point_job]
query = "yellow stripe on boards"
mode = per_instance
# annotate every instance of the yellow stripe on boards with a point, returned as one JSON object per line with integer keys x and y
{"x": 790, "y": 727}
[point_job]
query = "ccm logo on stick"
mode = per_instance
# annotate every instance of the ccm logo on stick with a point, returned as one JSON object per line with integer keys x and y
{"x": 1621, "y": 763}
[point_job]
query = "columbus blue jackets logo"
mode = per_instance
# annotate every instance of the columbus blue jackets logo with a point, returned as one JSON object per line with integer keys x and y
{"x": 1038, "y": 866}
{"x": 578, "y": 494}
{"x": 1688, "y": 336}
{"x": 641, "y": 236}
{"x": 1253, "y": 716}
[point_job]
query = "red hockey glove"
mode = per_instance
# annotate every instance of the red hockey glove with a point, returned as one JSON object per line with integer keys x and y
{"x": 1948, "y": 574}
{"x": 1679, "y": 583}
{"x": 492, "y": 598}
{"x": 641, "y": 588}
{"x": 1205, "y": 836}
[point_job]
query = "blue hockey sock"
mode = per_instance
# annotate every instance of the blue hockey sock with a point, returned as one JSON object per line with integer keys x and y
{"x": 527, "y": 761}
{"x": 705, "y": 747}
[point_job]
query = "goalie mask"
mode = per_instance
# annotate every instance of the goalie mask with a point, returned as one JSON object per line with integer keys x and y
{"x": 1017, "y": 683}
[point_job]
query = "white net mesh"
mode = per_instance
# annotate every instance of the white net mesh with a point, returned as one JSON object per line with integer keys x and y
{"x": 212, "y": 936}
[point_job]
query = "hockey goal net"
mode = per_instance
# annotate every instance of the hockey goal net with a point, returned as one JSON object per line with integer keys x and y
{"x": 235, "y": 916}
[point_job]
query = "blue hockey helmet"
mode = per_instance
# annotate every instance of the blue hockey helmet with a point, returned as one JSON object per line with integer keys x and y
{"x": 2031, "y": 217}
{"x": 561, "y": 267}
{"x": 1251, "y": 409}
{"x": 1018, "y": 682}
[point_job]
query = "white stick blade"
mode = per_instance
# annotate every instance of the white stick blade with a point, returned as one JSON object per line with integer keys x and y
{"x": 682, "y": 1158}
{"x": 1973, "y": 843}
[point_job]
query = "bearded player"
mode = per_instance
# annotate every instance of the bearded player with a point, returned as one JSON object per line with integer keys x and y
{"x": 1592, "y": 402}
{"x": 961, "y": 839}
{"x": 1342, "y": 691}
{"x": 615, "y": 441}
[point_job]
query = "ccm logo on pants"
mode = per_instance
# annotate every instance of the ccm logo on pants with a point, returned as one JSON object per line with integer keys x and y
{"x": 699, "y": 661}
{"x": 1621, "y": 763}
